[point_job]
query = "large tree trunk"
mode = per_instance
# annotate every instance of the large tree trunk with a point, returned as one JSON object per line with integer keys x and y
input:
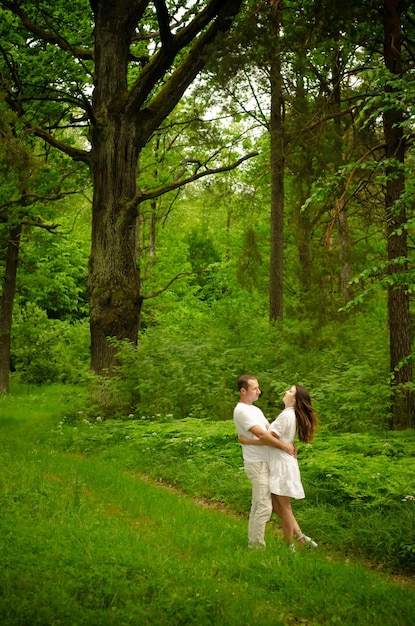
{"x": 398, "y": 298}
{"x": 113, "y": 280}
{"x": 125, "y": 117}
{"x": 7, "y": 301}
{"x": 276, "y": 306}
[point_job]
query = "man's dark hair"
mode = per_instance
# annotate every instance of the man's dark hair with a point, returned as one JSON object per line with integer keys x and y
{"x": 243, "y": 382}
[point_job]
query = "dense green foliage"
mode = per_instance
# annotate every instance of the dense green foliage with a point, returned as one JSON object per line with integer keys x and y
{"x": 93, "y": 534}
{"x": 205, "y": 249}
{"x": 192, "y": 360}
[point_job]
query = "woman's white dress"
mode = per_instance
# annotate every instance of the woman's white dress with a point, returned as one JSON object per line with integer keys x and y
{"x": 285, "y": 479}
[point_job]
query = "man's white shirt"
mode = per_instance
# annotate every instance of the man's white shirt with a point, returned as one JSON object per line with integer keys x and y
{"x": 245, "y": 416}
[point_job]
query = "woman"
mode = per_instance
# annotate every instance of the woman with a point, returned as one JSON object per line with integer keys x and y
{"x": 285, "y": 480}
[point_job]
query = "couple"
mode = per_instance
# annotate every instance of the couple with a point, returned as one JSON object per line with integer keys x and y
{"x": 270, "y": 459}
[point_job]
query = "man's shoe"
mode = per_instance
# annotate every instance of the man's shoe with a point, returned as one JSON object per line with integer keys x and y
{"x": 256, "y": 546}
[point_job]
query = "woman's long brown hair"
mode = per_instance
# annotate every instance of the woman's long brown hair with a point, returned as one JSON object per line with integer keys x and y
{"x": 305, "y": 415}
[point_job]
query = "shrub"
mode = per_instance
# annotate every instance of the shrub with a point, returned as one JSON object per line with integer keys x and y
{"x": 47, "y": 350}
{"x": 190, "y": 368}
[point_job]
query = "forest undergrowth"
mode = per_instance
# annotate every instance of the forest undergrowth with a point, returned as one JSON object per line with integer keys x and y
{"x": 85, "y": 540}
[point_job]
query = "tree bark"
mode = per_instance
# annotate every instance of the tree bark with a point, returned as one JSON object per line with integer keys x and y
{"x": 124, "y": 120}
{"x": 113, "y": 279}
{"x": 7, "y": 301}
{"x": 398, "y": 298}
{"x": 340, "y": 208}
{"x": 344, "y": 250}
{"x": 276, "y": 304}
{"x": 304, "y": 253}
{"x": 302, "y": 169}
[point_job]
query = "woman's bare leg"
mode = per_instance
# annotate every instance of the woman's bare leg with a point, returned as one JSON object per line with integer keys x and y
{"x": 277, "y": 510}
{"x": 275, "y": 505}
{"x": 282, "y": 507}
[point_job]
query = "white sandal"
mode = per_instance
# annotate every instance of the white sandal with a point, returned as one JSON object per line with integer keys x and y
{"x": 310, "y": 542}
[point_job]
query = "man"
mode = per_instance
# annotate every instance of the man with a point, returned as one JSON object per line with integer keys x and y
{"x": 250, "y": 421}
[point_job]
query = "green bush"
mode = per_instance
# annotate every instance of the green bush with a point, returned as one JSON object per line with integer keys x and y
{"x": 48, "y": 350}
{"x": 189, "y": 366}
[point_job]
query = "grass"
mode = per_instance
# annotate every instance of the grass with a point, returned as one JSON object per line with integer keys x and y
{"x": 360, "y": 487}
{"x": 85, "y": 540}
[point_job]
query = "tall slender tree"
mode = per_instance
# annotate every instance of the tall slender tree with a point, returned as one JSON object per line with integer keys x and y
{"x": 399, "y": 319}
{"x": 277, "y": 154}
{"x": 6, "y": 305}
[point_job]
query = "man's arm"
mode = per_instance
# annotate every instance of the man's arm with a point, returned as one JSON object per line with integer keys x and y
{"x": 268, "y": 439}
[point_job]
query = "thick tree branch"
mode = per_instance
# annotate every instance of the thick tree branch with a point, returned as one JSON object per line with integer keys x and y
{"x": 74, "y": 153}
{"x": 219, "y": 9}
{"x": 29, "y": 199}
{"x": 183, "y": 76}
{"x": 137, "y": 10}
{"x": 163, "y": 289}
{"x": 163, "y": 20}
{"x": 160, "y": 191}
{"x": 51, "y": 228}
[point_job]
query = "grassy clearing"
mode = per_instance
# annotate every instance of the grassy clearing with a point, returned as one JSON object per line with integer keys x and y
{"x": 360, "y": 487}
{"x": 86, "y": 541}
